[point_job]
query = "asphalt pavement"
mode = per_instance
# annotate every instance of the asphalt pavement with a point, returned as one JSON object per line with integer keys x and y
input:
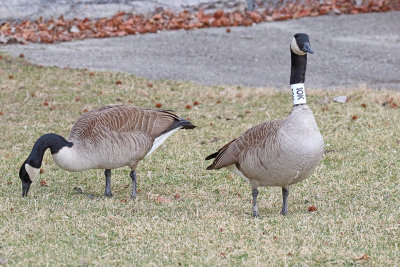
{"x": 350, "y": 50}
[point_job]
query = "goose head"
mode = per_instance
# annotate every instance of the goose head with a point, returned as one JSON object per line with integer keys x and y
{"x": 27, "y": 174}
{"x": 300, "y": 44}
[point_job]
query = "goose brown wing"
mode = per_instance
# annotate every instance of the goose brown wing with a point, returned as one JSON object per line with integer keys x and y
{"x": 122, "y": 119}
{"x": 254, "y": 137}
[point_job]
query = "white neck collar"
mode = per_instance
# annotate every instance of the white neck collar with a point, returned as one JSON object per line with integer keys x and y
{"x": 298, "y": 93}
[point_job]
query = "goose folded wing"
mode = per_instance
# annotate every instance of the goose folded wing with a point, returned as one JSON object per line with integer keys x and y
{"x": 245, "y": 144}
{"x": 122, "y": 119}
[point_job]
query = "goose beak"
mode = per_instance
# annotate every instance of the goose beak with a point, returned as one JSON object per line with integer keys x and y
{"x": 25, "y": 188}
{"x": 307, "y": 48}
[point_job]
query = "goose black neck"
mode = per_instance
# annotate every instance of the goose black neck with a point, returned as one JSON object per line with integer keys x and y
{"x": 298, "y": 70}
{"x": 53, "y": 141}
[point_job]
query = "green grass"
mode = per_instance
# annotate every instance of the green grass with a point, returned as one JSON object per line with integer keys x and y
{"x": 356, "y": 187}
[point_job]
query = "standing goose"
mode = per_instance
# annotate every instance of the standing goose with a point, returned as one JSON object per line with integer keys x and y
{"x": 110, "y": 137}
{"x": 280, "y": 152}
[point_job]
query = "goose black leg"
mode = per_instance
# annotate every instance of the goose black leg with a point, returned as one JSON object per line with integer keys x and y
{"x": 285, "y": 194}
{"x": 133, "y": 177}
{"x": 255, "y": 210}
{"x": 107, "y": 173}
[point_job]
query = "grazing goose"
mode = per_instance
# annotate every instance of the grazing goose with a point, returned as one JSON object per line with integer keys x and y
{"x": 106, "y": 138}
{"x": 280, "y": 152}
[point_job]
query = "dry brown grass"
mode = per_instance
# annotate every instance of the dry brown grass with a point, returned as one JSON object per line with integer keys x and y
{"x": 355, "y": 189}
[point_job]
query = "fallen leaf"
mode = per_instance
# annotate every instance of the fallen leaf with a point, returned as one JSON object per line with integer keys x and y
{"x": 312, "y": 208}
{"x": 363, "y": 258}
{"x": 394, "y": 105}
{"x": 123, "y": 200}
{"x": 43, "y": 183}
{"x": 158, "y": 105}
{"x": 162, "y": 199}
{"x": 218, "y": 14}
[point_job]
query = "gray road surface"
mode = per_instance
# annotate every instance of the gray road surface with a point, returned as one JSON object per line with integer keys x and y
{"x": 350, "y": 50}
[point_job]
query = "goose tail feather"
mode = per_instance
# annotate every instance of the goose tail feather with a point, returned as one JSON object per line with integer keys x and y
{"x": 213, "y": 155}
{"x": 180, "y": 123}
{"x": 185, "y": 124}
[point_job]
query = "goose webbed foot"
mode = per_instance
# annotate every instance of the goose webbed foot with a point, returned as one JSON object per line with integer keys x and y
{"x": 133, "y": 177}
{"x": 285, "y": 194}
{"x": 107, "y": 192}
{"x": 254, "y": 193}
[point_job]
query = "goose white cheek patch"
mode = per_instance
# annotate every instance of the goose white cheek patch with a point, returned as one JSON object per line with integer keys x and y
{"x": 32, "y": 172}
{"x": 298, "y": 93}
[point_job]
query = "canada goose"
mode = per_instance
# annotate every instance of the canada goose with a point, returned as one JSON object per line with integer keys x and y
{"x": 279, "y": 152}
{"x": 110, "y": 137}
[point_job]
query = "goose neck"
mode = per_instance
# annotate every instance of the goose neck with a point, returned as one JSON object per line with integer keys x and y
{"x": 53, "y": 141}
{"x": 298, "y": 68}
{"x": 297, "y": 78}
